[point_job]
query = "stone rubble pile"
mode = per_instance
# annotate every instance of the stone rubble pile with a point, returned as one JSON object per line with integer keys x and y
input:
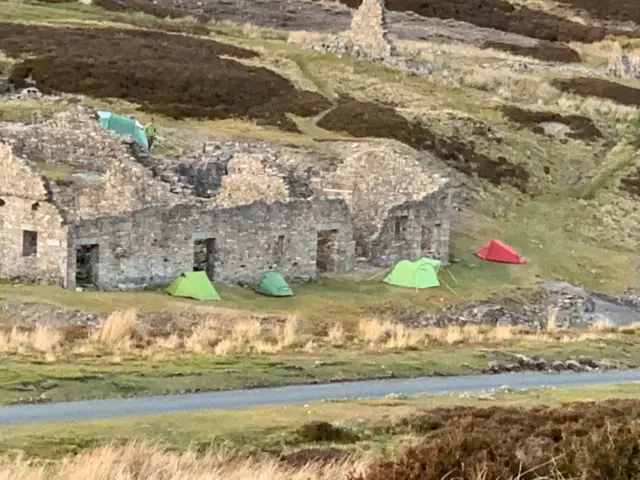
{"x": 564, "y": 306}
{"x": 518, "y": 362}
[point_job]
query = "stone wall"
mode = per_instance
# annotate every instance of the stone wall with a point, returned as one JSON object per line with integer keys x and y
{"x": 92, "y": 170}
{"x": 155, "y": 245}
{"x": 374, "y": 179}
{"x": 413, "y": 230}
{"x": 33, "y": 241}
{"x": 625, "y": 65}
{"x": 248, "y": 181}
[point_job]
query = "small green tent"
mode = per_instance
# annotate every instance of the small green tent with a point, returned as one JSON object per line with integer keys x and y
{"x": 193, "y": 285}
{"x": 273, "y": 284}
{"x": 420, "y": 274}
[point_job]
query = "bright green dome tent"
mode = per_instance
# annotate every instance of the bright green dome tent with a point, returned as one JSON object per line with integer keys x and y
{"x": 273, "y": 284}
{"x": 193, "y": 285}
{"x": 419, "y": 274}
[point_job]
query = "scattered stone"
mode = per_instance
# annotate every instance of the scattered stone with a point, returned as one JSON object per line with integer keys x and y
{"x": 24, "y": 387}
{"x": 49, "y": 384}
{"x": 574, "y": 366}
{"x": 292, "y": 367}
{"x": 395, "y": 396}
{"x": 497, "y": 367}
{"x": 606, "y": 365}
{"x": 558, "y": 366}
{"x": 328, "y": 363}
{"x": 587, "y": 361}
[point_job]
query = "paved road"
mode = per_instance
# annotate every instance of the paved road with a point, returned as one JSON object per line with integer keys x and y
{"x": 243, "y": 399}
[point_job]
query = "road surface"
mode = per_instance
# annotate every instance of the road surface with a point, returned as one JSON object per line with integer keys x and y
{"x": 292, "y": 395}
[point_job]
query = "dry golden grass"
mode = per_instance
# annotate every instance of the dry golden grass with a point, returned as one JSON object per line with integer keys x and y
{"x": 122, "y": 333}
{"x": 117, "y": 329}
{"x": 336, "y": 335}
{"x": 146, "y": 461}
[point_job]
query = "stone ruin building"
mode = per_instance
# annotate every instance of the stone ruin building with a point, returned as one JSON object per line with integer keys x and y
{"x": 77, "y": 209}
{"x": 625, "y": 66}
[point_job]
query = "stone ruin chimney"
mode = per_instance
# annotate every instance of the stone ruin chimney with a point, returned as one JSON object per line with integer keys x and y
{"x": 368, "y": 32}
{"x": 624, "y": 65}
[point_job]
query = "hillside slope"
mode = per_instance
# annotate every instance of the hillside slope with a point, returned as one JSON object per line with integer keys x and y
{"x": 543, "y": 153}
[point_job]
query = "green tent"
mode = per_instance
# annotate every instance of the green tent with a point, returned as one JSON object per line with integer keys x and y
{"x": 193, "y": 285}
{"x": 124, "y": 126}
{"x": 420, "y": 274}
{"x": 273, "y": 284}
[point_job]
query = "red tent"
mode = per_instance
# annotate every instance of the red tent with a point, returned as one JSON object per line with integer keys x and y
{"x": 496, "y": 251}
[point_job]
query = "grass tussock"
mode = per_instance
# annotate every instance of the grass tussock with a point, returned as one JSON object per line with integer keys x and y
{"x": 140, "y": 460}
{"x": 579, "y": 440}
{"x": 121, "y": 332}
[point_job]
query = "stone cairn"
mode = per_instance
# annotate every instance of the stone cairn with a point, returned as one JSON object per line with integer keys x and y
{"x": 368, "y": 39}
{"x": 368, "y": 33}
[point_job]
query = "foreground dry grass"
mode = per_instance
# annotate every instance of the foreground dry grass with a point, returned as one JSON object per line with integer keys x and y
{"x": 122, "y": 332}
{"x": 140, "y": 460}
{"x": 579, "y": 440}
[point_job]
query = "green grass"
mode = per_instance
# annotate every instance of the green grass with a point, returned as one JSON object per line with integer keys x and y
{"x": 108, "y": 376}
{"x": 272, "y": 428}
{"x": 348, "y": 297}
{"x": 66, "y": 14}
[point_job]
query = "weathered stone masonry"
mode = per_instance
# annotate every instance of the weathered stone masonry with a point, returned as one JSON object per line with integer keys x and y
{"x": 155, "y": 245}
{"x": 33, "y": 239}
{"x": 77, "y": 210}
{"x": 413, "y": 230}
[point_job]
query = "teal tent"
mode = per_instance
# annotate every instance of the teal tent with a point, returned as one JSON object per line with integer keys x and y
{"x": 273, "y": 284}
{"x": 124, "y": 126}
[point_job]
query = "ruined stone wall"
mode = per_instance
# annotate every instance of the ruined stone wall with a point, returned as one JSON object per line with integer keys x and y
{"x": 248, "y": 181}
{"x": 413, "y": 230}
{"x": 625, "y": 65}
{"x": 99, "y": 176}
{"x": 373, "y": 179}
{"x": 72, "y": 137}
{"x": 155, "y": 245}
{"x": 33, "y": 241}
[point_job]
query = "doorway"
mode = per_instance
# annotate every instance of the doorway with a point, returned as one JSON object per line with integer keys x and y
{"x": 326, "y": 256}
{"x": 87, "y": 258}
{"x": 429, "y": 239}
{"x": 205, "y": 256}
